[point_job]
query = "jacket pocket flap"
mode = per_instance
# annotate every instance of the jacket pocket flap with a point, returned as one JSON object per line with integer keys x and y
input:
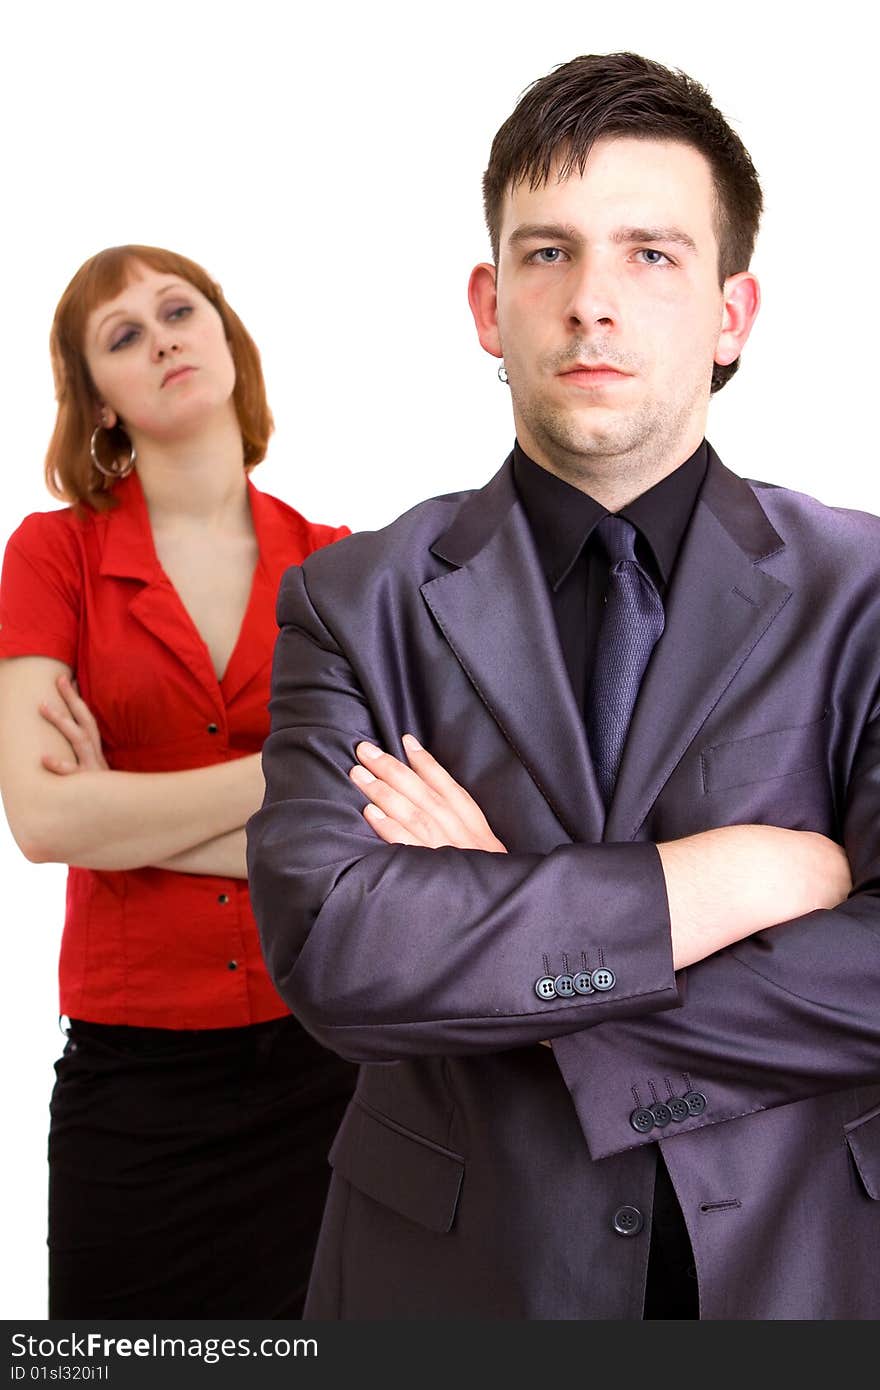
{"x": 863, "y": 1138}
{"x": 761, "y": 757}
{"x": 415, "y": 1177}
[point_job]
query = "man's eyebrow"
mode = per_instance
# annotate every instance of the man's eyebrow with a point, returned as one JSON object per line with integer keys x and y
{"x": 543, "y": 231}
{"x": 623, "y": 236}
{"x": 627, "y": 235}
{"x": 120, "y": 313}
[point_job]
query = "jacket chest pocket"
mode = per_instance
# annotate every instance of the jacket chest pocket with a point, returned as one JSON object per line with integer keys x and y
{"x": 779, "y": 777}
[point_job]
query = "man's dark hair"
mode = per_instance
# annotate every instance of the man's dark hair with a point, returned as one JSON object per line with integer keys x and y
{"x": 561, "y": 115}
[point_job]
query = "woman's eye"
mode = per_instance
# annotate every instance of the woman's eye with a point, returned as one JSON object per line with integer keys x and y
{"x": 123, "y": 340}
{"x": 180, "y": 311}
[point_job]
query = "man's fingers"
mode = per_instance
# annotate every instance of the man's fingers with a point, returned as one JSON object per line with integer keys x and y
{"x": 424, "y": 798}
{"x": 387, "y": 828}
{"x": 453, "y": 795}
{"x": 437, "y": 812}
{"x": 414, "y": 819}
{"x": 435, "y": 774}
{"x": 396, "y": 774}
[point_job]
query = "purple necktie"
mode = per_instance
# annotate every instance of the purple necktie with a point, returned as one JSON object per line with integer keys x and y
{"x": 632, "y": 623}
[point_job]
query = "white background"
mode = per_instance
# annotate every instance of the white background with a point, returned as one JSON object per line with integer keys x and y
{"x": 324, "y": 163}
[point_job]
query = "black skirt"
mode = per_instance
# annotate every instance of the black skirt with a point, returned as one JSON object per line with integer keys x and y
{"x": 188, "y": 1170}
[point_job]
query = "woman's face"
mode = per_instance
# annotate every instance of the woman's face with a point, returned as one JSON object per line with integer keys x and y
{"x": 159, "y": 358}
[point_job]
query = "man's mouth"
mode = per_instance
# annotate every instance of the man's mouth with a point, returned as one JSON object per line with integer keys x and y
{"x": 593, "y": 374}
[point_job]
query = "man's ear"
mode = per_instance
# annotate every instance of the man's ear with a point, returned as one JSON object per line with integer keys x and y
{"x": 742, "y": 300}
{"x": 483, "y": 299}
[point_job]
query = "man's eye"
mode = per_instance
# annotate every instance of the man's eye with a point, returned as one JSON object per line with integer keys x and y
{"x": 652, "y": 256}
{"x": 547, "y": 255}
{"x": 123, "y": 340}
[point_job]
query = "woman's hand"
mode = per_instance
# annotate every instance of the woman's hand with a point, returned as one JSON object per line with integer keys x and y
{"x": 75, "y": 721}
{"x": 420, "y": 804}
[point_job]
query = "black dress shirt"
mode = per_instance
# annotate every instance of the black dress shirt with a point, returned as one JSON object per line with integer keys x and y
{"x": 563, "y": 521}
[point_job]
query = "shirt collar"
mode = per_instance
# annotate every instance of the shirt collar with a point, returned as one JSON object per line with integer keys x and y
{"x": 661, "y": 514}
{"x": 127, "y": 549}
{"x": 272, "y": 528}
{"x": 562, "y": 518}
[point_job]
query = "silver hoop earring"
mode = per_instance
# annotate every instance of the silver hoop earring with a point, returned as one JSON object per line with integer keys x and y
{"x": 502, "y": 374}
{"x": 116, "y": 469}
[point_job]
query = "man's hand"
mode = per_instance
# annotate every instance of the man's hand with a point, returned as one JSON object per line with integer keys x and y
{"x": 73, "y": 718}
{"x": 420, "y": 804}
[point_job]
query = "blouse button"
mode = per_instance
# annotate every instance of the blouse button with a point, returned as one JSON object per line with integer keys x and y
{"x": 212, "y": 728}
{"x": 223, "y": 898}
{"x": 233, "y": 965}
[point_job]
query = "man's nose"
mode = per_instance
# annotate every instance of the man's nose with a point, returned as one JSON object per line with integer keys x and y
{"x": 593, "y": 299}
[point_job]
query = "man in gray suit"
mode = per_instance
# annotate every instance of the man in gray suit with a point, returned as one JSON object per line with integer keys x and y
{"x": 659, "y": 684}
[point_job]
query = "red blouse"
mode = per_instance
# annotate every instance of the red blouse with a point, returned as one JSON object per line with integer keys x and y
{"x": 149, "y": 947}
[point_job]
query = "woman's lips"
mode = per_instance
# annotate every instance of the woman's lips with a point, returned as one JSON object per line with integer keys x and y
{"x": 176, "y": 375}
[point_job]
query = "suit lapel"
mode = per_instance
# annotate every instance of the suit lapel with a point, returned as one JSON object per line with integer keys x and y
{"x": 494, "y": 611}
{"x": 718, "y": 608}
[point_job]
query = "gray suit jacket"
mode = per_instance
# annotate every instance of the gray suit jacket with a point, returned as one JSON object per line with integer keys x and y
{"x": 477, "y": 1174}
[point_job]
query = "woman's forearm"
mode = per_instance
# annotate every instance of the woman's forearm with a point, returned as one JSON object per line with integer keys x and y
{"x": 127, "y": 820}
{"x": 225, "y": 856}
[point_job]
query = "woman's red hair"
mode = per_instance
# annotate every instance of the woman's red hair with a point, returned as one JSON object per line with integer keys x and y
{"x": 70, "y": 472}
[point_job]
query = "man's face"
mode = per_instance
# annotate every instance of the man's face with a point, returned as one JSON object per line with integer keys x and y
{"x": 607, "y": 308}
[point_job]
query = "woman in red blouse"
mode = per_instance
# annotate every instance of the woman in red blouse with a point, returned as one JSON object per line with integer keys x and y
{"x": 192, "y": 1114}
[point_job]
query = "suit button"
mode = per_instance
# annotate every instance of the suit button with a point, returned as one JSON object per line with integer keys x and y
{"x": 696, "y": 1102}
{"x": 545, "y": 988}
{"x": 603, "y": 979}
{"x": 582, "y": 982}
{"x": 223, "y": 898}
{"x": 662, "y": 1114}
{"x": 628, "y": 1221}
{"x": 232, "y": 965}
{"x": 678, "y": 1109}
{"x": 564, "y": 986}
{"x": 642, "y": 1120}
{"x": 212, "y": 728}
